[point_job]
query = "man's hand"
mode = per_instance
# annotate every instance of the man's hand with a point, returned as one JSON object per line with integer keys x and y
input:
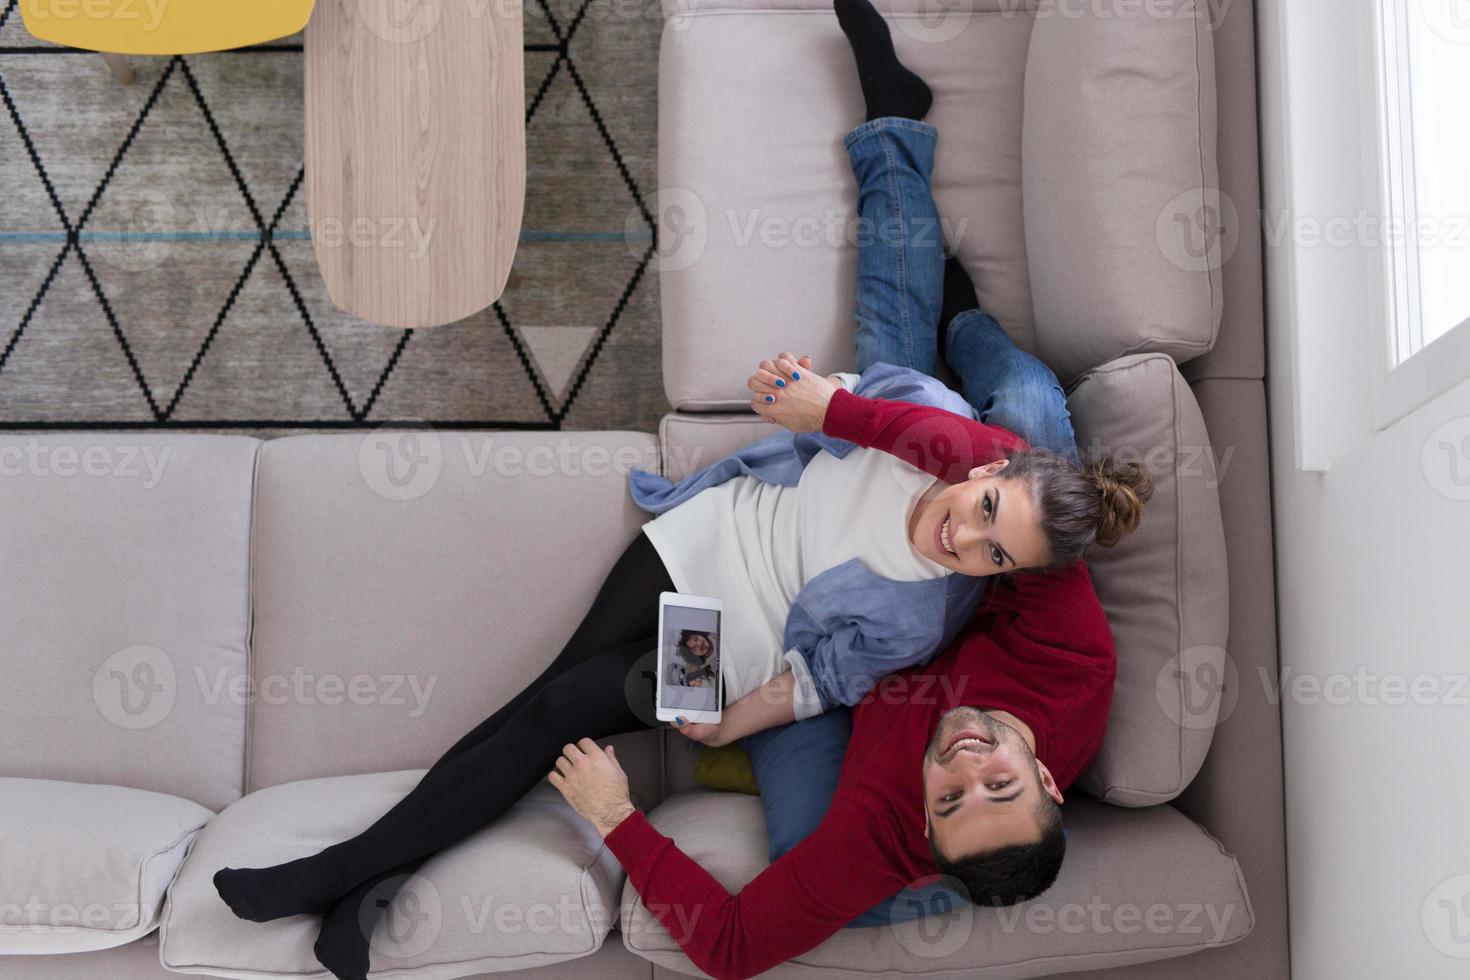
{"x": 699, "y": 732}
{"x": 789, "y": 393}
{"x": 591, "y": 780}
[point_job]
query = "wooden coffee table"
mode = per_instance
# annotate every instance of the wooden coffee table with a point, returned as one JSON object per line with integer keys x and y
{"x": 415, "y": 154}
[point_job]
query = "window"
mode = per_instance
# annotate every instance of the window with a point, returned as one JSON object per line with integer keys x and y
{"x": 1425, "y": 167}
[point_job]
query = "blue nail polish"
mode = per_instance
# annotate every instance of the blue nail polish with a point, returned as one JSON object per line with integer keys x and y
{"x": 679, "y": 722}
{"x": 795, "y": 375}
{"x": 770, "y": 398}
{"x": 780, "y": 383}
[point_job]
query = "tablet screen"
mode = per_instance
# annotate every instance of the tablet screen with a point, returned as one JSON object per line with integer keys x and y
{"x": 690, "y": 672}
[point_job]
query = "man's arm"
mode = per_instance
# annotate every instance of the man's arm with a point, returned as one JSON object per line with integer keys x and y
{"x": 837, "y": 873}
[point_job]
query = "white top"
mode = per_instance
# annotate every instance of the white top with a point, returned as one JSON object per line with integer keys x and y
{"x": 755, "y": 546}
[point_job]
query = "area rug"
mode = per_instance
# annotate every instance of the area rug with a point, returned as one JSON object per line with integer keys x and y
{"x": 156, "y": 269}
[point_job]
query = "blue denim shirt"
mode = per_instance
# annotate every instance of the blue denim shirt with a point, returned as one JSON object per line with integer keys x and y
{"x": 848, "y": 627}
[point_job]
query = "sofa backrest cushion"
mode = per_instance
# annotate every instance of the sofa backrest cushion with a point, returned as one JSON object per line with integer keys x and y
{"x": 407, "y": 584}
{"x": 1121, "y": 190}
{"x": 125, "y": 604}
{"x": 1165, "y": 587}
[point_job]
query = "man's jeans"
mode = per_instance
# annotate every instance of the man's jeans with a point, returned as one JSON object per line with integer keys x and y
{"x": 899, "y": 293}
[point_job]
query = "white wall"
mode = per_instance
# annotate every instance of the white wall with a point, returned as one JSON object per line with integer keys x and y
{"x": 1373, "y": 580}
{"x": 1372, "y": 548}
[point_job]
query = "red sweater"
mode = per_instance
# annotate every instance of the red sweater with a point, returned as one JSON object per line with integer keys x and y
{"x": 1041, "y": 650}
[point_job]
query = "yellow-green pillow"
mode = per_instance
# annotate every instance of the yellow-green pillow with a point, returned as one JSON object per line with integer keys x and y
{"x": 726, "y": 767}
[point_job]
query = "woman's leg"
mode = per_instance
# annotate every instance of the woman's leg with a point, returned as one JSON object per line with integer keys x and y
{"x": 459, "y": 797}
{"x": 900, "y": 245}
{"x": 626, "y": 607}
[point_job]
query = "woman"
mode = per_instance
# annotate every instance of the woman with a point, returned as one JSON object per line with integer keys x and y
{"x": 836, "y": 564}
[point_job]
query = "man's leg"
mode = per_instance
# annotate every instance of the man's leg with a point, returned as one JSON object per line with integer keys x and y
{"x": 1007, "y": 386}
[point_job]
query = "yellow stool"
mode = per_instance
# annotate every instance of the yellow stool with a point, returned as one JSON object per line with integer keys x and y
{"x": 118, "y": 27}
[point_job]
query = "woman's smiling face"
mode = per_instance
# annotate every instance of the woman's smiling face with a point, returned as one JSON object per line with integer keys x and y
{"x": 987, "y": 525}
{"x": 699, "y": 645}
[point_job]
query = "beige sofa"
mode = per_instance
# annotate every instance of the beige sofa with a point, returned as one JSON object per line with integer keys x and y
{"x": 227, "y": 651}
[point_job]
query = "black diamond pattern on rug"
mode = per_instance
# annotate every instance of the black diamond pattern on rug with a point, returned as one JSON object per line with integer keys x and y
{"x": 155, "y": 269}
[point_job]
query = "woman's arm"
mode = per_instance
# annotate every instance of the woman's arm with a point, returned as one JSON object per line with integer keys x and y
{"x": 936, "y": 441}
{"x": 768, "y": 706}
{"x": 940, "y": 443}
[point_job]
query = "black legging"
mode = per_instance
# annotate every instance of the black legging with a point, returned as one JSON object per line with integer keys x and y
{"x": 585, "y": 693}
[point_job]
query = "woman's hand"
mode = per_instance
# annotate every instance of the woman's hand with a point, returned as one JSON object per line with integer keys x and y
{"x": 702, "y": 733}
{"x": 591, "y": 780}
{"x": 789, "y": 393}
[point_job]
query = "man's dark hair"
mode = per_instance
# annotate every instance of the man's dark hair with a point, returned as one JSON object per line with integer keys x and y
{"x": 1011, "y": 874}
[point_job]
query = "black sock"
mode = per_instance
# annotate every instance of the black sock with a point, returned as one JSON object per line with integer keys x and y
{"x": 959, "y": 296}
{"x": 889, "y": 88}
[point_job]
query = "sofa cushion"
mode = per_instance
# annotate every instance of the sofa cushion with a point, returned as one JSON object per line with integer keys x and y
{"x": 1165, "y": 587}
{"x": 756, "y": 198}
{"x": 533, "y": 888}
{"x": 124, "y": 594}
{"x": 84, "y": 866}
{"x": 1136, "y": 886}
{"x": 1122, "y": 201}
{"x": 1073, "y": 140}
{"x": 407, "y": 584}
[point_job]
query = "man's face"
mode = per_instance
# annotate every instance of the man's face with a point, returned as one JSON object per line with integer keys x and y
{"x": 983, "y": 787}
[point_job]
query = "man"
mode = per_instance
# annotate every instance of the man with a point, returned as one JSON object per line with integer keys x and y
{"x": 956, "y": 766}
